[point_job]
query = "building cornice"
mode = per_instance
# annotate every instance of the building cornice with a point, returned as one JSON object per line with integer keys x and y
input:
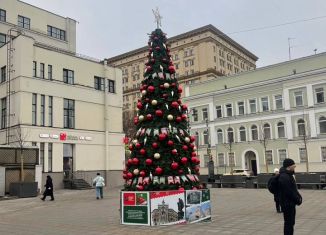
{"x": 207, "y": 28}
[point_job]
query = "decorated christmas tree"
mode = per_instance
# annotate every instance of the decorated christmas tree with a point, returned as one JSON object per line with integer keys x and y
{"x": 162, "y": 151}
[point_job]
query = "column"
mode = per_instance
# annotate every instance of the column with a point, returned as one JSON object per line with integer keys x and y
{"x": 310, "y": 95}
{"x": 312, "y": 123}
{"x": 288, "y": 124}
{"x": 286, "y": 99}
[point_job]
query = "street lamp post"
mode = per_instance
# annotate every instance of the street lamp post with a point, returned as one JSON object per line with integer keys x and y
{"x": 211, "y": 162}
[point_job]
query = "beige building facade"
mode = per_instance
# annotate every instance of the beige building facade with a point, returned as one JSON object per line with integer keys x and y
{"x": 68, "y": 105}
{"x": 281, "y": 105}
{"x": 202, "y": 54}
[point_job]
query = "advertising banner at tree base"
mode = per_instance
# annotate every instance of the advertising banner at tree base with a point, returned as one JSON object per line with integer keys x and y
{"x": 165, "y": 207}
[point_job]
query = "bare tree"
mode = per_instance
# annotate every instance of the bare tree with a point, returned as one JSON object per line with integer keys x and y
{"x": 20, "y": 138}
{"x": 264, "y": 137}
{"x": 128, "y": 123}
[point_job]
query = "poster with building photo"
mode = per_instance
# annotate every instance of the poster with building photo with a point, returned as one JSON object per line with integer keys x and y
{"x": 198, "y": 206}
{"x": 135, "y": 208}
{"x": 167, "y": 207}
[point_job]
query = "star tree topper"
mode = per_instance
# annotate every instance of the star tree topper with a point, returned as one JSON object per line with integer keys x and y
{"x": 158, "y": 17}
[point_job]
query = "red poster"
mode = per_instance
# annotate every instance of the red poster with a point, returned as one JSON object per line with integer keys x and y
{"x": 129, "y": 199}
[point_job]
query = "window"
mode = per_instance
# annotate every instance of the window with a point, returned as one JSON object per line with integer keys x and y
{"x": 219, "y": 136}
{"x": 68, "y": 76}
{"x": 252, "y": 104}
{"x": 231, "y": 159}
{"x": 241, "y": 107}
{"x": 56, "y": 33}
{"x": 111, "y": 86}
{"x": 280, "y": 130}
{"x": 322, "y": 125}
{"x": 99, "y": 83}
{"x": 41, "y": 70}
{"x": 323, "y": 154}
{"x": 242, "y": 131}
{"x": 206, "y": 160}
{"x": 176, "y": 57}
{"x": 222, "y": 63}
{"x": 195, "y": 115}
{"x": 42, "y": 155}
{"x": 50, "y": 77}
{"x": 205, "y": 114}
{"x": 186, "y": 63}
{"x": 24, "y": 22}
{"x": 34, "y": 69}
{"x": 301, "y": 127}
{"x": 2, "y": 15}
{"x": 267, "y": 131}
{"x": 3, "y": 74}
{"x": 221, "y": 160}
{"x": 197, "y": 138}
{"x": 3, "y": 113}
{"x": 219, "y": 111}
{"x": 269, "y": 157}
{"x": 264, "y": 104}
{"x": 298, "y": 98}
{"x": 278, "y": 102}
{"x": 50, "y": 111}
{"x": 254, "y": 132}
{"x": 34, "y": 109}
{"x": 228, "y": 110}
{"x": 230, "y": 135}
{"x": 2, "y": 39}
{"x": 42, "y": 110}
{"x": 281, "y": 155}
{"x": 50, "y": 146}
{"x": 69, "y": 113}
{"x": 303, "y": 154}
{"x": 319, "y": 95}
{"x": 205, "y": 135}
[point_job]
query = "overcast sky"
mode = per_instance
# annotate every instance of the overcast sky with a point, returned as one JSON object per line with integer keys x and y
{"x": 111, "y": 27}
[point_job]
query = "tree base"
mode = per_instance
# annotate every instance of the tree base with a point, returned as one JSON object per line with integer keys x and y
{"x": 153, "y": 208}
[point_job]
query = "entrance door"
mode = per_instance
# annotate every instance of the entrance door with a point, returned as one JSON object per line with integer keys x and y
{"x": 68, "y": 161}
{"x": 254, "y": 166}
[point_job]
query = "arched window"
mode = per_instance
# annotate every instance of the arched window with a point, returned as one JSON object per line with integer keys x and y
{"x": 254, "y": 132}
{"x": 280, "y": 130}
{"x": 219, "y": 136}
{"x": 322, "y": 125}
{"x": 230, "y": 135}
{"x": 242, "y": 133}
{"x": 301, "y": 127}
{"x": 267, "y": 131}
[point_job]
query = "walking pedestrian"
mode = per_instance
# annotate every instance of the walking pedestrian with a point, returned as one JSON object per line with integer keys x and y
{"x": 276, "y": 194}
{"x": 98, "y": 182}
{"x": 48, "y": 188}
{"x": 288, "y": 195}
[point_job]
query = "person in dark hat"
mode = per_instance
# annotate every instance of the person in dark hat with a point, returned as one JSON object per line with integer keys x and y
{"x": 48, "y": 189}
{"x": 288, "y": 195}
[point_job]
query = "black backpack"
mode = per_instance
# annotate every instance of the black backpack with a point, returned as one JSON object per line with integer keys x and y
{"x": 272, "y": 184}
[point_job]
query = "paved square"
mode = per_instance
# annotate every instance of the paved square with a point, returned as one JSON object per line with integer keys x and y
{"x": 235, "y": 211}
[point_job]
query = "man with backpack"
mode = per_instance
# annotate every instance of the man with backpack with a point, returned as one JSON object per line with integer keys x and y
{"x": 288, "y": 195}
{"x": 273, "y": 188}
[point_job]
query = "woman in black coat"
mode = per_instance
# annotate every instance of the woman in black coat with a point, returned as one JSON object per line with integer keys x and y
{"x": 48, "y": 188}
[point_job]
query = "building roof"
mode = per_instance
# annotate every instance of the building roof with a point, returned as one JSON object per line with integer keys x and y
{"x": 188, "y": 34}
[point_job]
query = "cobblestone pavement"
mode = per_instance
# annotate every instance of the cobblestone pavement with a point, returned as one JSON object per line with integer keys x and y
{"x": 235, "y": 211}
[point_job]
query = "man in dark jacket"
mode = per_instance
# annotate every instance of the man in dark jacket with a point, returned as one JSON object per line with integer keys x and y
{"x": 48, "y": 188}
{"x": 288, "y": 195}
{"x": 276, "y": 194}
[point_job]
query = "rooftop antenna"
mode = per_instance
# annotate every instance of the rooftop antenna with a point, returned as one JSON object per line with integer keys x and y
{"x": 289, "y": 43}
{"x": 158, "y": 17}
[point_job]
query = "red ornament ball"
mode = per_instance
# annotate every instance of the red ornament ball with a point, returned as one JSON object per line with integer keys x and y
{"x": 184, "y": 160}
{"x": 171, "y": 69}
{"x": 174, "y": 151}
{"x": 135, "y": 161}
{"x": 174, "y": 165}
{"x": 179, "y": 101}
{"x": 129, "y": 175}
{"x": 158, "y": 170}
{"x": 142, "y": 173}
{"x": 151, "y": 89}
{"x": 173, "y": 84}
{"x": 170, "y": 143}
{"x": 192, "y": 138}
{"x": 191, "y": 145}
{"x": 185, "y": 147}
{"x": 138, "y": 145}
{"x": 149, "y": 117}
{"x": 139, "y": 105}
{"x": 131, "y": 147}
{"x": 155, "y": 145}
{"x": 149, "y": 162}
{"x": 178, "y": 119}
{"x": 140, "y": 187}
{"x": 124, "y": 176}
{"x": 148, "y": 68}
{"x": 184, "y": 107}
{"x": 180, "y": 172}
{"x": 184, "y": 116}
{"x": 142, "y": 151}
{"x": 162, "y": 137}
{"x": 157, "y": 48}
{"x": 179, "y": 89}
{"x": 159, "y": 113}
{"x": 129, "y": 162}
{"x": 175, "y": 104}
{"x": 193, "y": 154}
{"x": 136, "y": 120}
{"x": 194, "y": 160}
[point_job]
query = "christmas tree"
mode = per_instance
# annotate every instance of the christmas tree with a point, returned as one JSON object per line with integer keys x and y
{"x": 162, "y": 151}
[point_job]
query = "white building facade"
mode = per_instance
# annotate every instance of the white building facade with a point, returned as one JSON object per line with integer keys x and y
{"x": 68, "y": 105}
{"x": 281, "y": 105}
